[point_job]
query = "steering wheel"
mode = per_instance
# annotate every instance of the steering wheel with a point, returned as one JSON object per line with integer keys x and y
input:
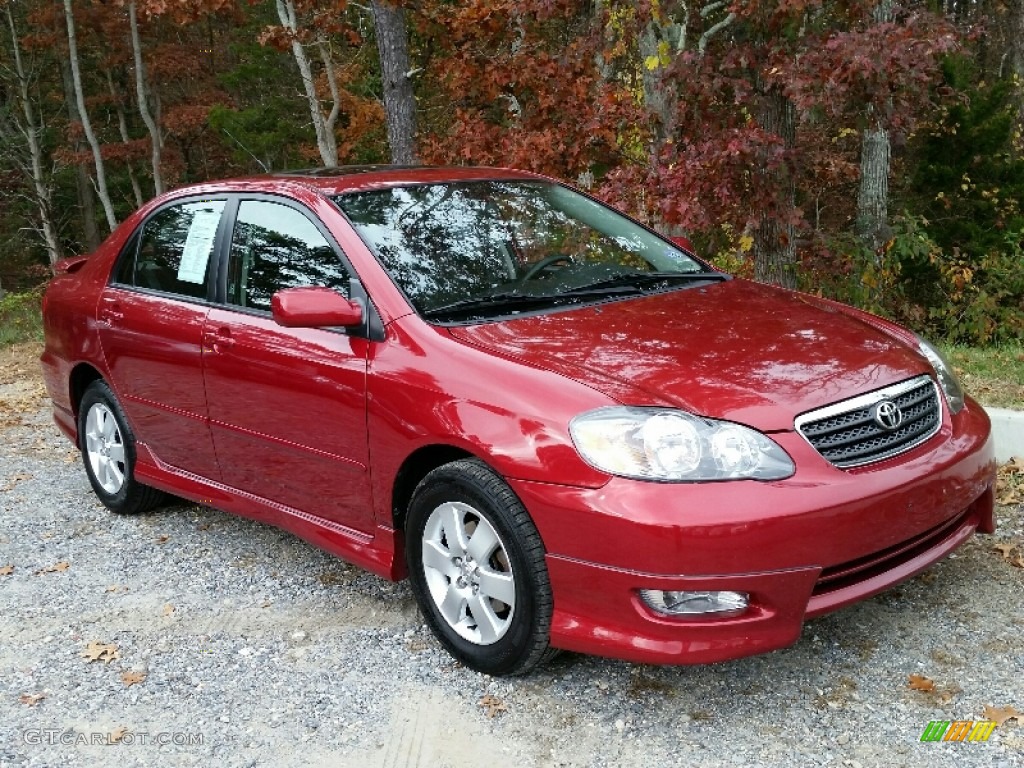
{"x": 545, "y": 263}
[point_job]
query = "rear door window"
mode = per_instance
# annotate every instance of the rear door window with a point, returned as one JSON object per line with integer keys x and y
{"x": 175, "y": 250}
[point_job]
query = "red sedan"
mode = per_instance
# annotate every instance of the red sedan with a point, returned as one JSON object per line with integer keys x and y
{"x": 566, "y": 430}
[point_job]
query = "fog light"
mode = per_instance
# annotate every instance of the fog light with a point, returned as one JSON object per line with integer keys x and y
{"x": 696, "y": 604}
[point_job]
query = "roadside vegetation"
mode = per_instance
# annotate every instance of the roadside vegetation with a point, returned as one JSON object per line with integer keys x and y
{"x": 20, "y": 318}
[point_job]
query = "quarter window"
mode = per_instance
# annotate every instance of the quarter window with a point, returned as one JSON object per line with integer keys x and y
{"x": 275, "y": 247}
{"x": 175, "y": 250}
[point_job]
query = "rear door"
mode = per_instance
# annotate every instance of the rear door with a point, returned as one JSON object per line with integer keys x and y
{"x": 287, "y": 405}
{"x": 151, "y": 321}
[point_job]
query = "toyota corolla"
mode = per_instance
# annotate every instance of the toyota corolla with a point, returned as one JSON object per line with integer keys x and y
{"x": 567, "y": 431}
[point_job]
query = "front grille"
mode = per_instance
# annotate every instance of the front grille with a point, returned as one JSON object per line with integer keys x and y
{"x": 848, "y": 434}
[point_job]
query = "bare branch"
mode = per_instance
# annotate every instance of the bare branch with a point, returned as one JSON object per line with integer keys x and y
{"x": 712, "y": 31}
{"x": 332, "y": 83}
{"x": 710, "y": 8}
{"x": 260, "y": 162}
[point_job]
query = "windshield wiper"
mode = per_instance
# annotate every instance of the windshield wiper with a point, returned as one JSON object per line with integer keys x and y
{"x": 639, "y": 279}
{"x": 509, "y": 299}
{"x": 618, "y": 284}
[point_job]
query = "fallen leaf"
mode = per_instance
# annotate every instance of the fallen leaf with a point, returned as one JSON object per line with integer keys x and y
{"x": 1000, "y": 715}
{"x": 162, "y": 538}
{"x": 117, "y": 734}
{"x": 31, "y": 699}
{"x": 117, "y": 588}
{"x": 920, "y": 683}
{"x": 492, "y": 705}
{"x": 7, "y": 570}
{"x": 14, "y": 481}
{"x": 168, "y": 609}
{"x": 132, "y": 678}
{"x": 1010, "y": 483}
{"x": 63, "y": 565}
{"x": 105, "y": 652}
{"x": 1011, "y": 551}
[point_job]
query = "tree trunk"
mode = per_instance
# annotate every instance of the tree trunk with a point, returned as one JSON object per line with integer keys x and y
{"x": 122, "y": 125}
{"x": 83, "y": 187}
{"x": 325, "y": 140}
{"x": 31, "y": 131}
{"x": 873, "y": 196}
{"x": 76, "y": 78}
{"x": 658, "y": 99}
{"x": 399, "y": 100}
{"x": 774, "y": 247}
{"x": 1016, "y": 37}
{"x": 142, "y": 97}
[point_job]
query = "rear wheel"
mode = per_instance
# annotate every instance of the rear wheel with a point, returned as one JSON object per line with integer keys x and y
{"x": 108, "y": 451}
{"x": 476, "y": 563}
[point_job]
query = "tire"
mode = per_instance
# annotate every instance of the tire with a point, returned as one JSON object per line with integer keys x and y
{"x": 108, "y": 452}
{"x": 472, "y": 548}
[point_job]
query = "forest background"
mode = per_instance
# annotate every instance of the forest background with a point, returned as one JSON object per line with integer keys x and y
{"x": 866, "y": 150}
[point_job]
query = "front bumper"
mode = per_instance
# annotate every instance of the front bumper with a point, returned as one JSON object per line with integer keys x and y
{"x": 800, "y": 547}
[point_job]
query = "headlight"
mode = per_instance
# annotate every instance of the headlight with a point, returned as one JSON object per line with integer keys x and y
{"x": 944, "y": 371}
{"x": 667, "y": 444}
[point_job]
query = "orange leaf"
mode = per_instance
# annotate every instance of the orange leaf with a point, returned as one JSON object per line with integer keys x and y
{"x": 1000, "y": 715}
{"x": 55, "y": 568}
{"x": 492, "y": 705}
{"x": 105, "y": 652}
{"x": 132, "y": 678}
{"x": 920, "y": 683}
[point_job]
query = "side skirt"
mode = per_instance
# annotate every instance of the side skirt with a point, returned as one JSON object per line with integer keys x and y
{"x": 375, "y": 553}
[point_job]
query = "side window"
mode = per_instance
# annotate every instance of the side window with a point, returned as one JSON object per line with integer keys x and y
{"x": 125, "y": 274}
{"x": 175, "y": 248}
{"x": 275, "y": 247}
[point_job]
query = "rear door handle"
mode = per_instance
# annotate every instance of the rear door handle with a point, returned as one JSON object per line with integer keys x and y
{"x": 110, "y": 311}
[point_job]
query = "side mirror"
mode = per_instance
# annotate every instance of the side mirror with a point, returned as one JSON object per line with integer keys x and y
{"x": 313, "y": 307}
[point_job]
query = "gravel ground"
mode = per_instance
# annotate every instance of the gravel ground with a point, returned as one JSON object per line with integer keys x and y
{"x": 233, "y": 644}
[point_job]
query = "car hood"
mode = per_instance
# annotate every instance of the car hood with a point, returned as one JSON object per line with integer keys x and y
{"x": 733, "y": 350}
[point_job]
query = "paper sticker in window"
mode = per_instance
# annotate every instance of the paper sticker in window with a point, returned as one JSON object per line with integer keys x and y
{"x": 198, "y": 246}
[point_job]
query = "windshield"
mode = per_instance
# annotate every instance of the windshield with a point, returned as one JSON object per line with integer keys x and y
{"x": 495, "y": 243}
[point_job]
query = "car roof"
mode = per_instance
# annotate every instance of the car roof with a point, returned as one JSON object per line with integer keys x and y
{"x": 344, "y": 179}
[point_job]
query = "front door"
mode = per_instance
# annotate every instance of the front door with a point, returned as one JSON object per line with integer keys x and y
{"x": 287, "y": 405}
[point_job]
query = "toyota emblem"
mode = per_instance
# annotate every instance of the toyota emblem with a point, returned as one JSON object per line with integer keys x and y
{"x": 888, "y": 415}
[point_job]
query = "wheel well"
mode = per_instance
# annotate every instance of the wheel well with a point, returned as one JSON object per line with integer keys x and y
{"x": 416, "y": 466}
{"x": 82, "y": 376}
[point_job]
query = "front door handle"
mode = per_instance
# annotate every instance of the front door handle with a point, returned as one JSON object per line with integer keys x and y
{"x": 217, "y": 341}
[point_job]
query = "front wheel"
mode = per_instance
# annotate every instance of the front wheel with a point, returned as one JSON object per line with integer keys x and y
{"x": 108, "y": 451}
{"x": 476, "y": 563}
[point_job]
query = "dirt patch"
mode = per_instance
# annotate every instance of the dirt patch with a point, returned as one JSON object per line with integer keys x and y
{"x": 22, "y": 392}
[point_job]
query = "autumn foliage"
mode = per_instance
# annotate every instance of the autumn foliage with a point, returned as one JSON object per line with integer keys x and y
{"x": 749, "y": 126}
